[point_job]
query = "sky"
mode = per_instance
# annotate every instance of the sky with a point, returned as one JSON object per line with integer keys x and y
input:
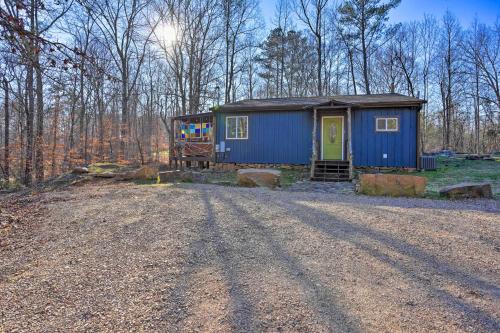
{"x": 409, "y": 10}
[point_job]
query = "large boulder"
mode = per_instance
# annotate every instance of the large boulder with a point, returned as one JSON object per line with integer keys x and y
{"x": 80, "y": 170}
{"x": 392, "y": 185}
{"x": 194, "y": 177}
{"x": 258, "y": 177}
{"x": 170, "y": 176}
{"x": 146, "y": 172}
{"x": 173, "y": 176}
{"x": 467, "y": 190}
{"x": 143, "y": 173}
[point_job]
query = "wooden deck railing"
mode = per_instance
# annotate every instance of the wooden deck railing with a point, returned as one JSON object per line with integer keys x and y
{"x": 193, "y": 151}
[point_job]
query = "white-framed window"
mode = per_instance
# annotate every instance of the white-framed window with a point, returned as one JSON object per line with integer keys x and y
{"x": 237, "y": 127}
{"x": 387, "y": 124}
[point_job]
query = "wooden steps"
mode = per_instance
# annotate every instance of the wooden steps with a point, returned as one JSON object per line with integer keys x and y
{"x": 331, "y": 171}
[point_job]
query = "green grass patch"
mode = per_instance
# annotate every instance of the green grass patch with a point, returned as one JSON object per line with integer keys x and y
{"x": 12, "y": 185}
{"x": 152, "y": 181}
{"x": 290, "y": 177}
{"x": 105, "y": 167}
{"x": 453, "y": 171}
{"x": 221, "y": 177}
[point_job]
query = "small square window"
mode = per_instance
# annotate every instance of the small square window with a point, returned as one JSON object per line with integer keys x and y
{"x": 384, "y": 124}
{"x": 237, "y": 127}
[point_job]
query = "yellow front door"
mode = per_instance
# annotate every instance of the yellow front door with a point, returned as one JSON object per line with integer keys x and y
{"x": 332, "y": 138}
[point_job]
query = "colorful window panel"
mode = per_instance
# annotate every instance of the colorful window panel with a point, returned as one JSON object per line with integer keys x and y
{"x": 183, "y": 133}
{"x": 194, "y": 132}
{"x": 206, "y": 129}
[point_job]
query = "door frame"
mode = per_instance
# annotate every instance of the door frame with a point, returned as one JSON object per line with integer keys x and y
{"x": 343, "y": 133}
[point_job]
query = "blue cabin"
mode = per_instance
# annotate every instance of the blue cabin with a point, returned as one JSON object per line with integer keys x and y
{"x": 328, "y": 134}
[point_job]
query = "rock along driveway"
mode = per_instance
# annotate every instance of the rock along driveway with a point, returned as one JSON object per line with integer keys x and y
{"x": 195, "y": 258}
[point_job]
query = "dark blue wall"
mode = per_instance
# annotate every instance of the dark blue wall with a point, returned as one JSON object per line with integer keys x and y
{"x": 369, "y": 146}
{"x": 273, "y": 137}
{"x": 286, "y": 137}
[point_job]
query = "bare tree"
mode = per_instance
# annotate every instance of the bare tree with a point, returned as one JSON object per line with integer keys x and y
{"x": 428, "y": 39}
{"x": 6, "y": 166}
{"x": 240, "y": 19}
{"x": 121, "y": 23}
{"x": 192, "y": 52}
{"x": 406, "y": 54}
{"x": 448, "y": 78}
{"x": 312, "y": 13}
{"x": 365, "y": 19}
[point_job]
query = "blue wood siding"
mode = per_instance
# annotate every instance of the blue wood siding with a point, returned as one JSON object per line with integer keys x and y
{"x": 369, "y": 146}
{"x": 285, "y": 137}
{"x": 274, "y": 137}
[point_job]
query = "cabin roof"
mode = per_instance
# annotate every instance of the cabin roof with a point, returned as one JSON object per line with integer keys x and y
{"x": 298, "y": 103}
{"x": 194, "y": 117}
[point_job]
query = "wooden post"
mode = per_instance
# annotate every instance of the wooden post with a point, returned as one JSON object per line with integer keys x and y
{"x": 419, "y": 148}
{"x": 214, "y": 136}
{"x": 349, "y": 142}
{"x": 171, "y": 143}
{"x": 314, "y": 156}
{"x": 186, "y": 163}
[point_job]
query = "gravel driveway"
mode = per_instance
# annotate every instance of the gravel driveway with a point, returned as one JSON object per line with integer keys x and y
{"x": 192, "y": 258}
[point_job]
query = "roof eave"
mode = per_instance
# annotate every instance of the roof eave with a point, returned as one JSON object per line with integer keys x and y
{"x": 261, "y": 108}
{"x": 191, "y": 116}
{"x": 333, "y": 103}
{"x": 389, "y": 104}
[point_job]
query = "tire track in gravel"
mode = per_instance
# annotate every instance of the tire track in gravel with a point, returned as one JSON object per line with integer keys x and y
{"x": 325, "y": 302}
{"x": 421, "y": 260}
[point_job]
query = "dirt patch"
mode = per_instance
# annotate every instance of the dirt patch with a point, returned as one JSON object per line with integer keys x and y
{"x": 193, "y": 258}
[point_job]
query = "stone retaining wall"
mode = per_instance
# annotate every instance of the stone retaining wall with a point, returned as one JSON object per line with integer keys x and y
{"x": 299, "y": 167}
{"x": 237, "y": 166}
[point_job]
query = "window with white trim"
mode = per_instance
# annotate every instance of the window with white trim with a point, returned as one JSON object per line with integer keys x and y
{"x": 387, "y": 124}
{"x": 237, "y": 127}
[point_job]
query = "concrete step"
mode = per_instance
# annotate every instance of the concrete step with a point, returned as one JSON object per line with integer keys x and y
{"x": 330, "y": 179}
{"x": 331, "y": 162}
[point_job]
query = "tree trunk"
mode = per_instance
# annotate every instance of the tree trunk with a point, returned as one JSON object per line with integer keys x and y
{"x": 365, "y": 64}
{"x": 6, "y": 168}
{"x": 100, "y": 106}
{"x": 30, "y": 109}
{"x": 320, "y": 55}
{"x": 22, "y": 130}
{"x": 81, "y": 124}
{"x": 449, "y": 100}
{"x": 351, "y": 65}
{"x": 364, "y": 51}
{"x": 55, "y": 124}
{"x": 227, "y": 85}
{"x": 68, "y": 154}
{"x": 30, "y": 117}
{"x": 39, "y": 165}
{"x": 124, "y": 120}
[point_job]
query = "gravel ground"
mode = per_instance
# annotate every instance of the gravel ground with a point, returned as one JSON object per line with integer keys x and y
{"x": 322, "y": 187}
{"x": 208, "y": 258}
